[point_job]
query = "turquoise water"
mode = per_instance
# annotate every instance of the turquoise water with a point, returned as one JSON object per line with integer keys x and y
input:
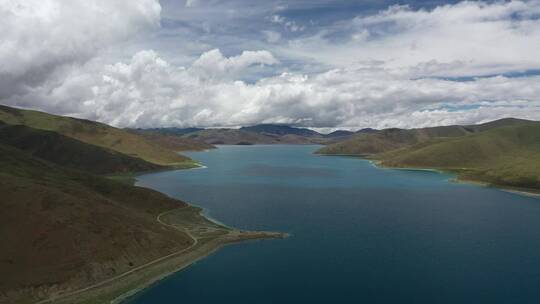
{"x": 360, "y": 234}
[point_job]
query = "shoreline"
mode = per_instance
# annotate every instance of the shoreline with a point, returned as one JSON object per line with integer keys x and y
{"x": 120, "y": 288}
{"x": 456, "y": 179}
{"x": 200, "y": 252}
{"x": 378, "y": 164}
{"x": 133, "y": 292}
{"x": 460, "y": 180}
{"x": 524, "y": 193}
{"x": 514, "y": 190}
{"x": 212, "y": 248}
{"x": 196, "y": 255}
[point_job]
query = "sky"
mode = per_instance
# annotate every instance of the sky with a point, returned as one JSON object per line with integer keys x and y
{"x": 320, "y": 64}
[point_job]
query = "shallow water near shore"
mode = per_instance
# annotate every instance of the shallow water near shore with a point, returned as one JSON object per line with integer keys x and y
{"x": 359, "y": 233}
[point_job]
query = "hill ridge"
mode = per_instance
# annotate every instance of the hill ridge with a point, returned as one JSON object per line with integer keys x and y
{"x": 69, "y": 152}
{"x": 96, "y": 133}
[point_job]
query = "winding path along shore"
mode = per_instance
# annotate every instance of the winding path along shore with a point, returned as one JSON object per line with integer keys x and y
{"x": 120, "y": 287}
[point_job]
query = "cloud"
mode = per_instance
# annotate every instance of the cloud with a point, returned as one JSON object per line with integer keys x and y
{"x": 148, "y": 91}
{"x": 388, "y": 69}
{"x": 41, "y": 36}
{"x": 271, "y": 36}
{"x": 287, "y": 24}
{"x": 277, "y": 19}
{"x": 213, "y": 64}
{"x": 468, "y": 38}
{"x": 191, "y": 3}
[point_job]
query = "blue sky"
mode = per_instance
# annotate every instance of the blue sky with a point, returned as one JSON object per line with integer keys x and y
{"x": 233, "y": 26}
{"x": 319, "y": 64}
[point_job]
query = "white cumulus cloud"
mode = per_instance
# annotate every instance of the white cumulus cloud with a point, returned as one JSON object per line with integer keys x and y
{"x": 148, "y": 91}
{"x": 40, "y": 36}
{"x": 389, "y": 69}
{"x": 467, "y": 38}
{"x": 214, "y": 64}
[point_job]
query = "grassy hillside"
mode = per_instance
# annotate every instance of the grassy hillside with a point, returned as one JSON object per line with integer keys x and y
{"x": 267, "y": 134}
{"x": 231, "y": 137}
{"x": 391, "y": 139}
{"x": 174, "y": 142}
{"x": 507, "y": 156}
{"x": 172, "y": 130}
{"x": 504, "y": 152}
{"x": 69, "y": 152}
{"x": 245, "y": 136}
{"x": 339, "y": 133}
{"x": 96, "y": 134}
{"x": 65, "y": 229}
{"x": 505, "y": 122}
{"x": 279, "y": 130}
{"x": 365, "y": 144}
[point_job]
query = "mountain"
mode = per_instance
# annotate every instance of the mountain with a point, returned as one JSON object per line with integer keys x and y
{"x": 366, "y": 130}
{"x": 232, "y": 137}
{"x": 66, "y": 151}
{"x": 267, "y": 134}
{"x": 97, "y": 134}
{"x": 273, "y": 129}
{"x": 505, "y": 156}
{"x": 496, "y": 124}
{"x": 173, "y": 130}
{"x": 339, "y": 133}
{"x": 67, "y": 229}
{"x": 504, "y": 152}
{"x": 73, "y": 236}
{"x": 202, "y": 139}
{"x": 173, "y": 141}
{"x": 244, "y": 137}
{"x": 373, "y": 142}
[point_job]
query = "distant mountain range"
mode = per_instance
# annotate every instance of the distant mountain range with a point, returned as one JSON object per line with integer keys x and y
{"x": 281, "y": 130}
{"x": 172, "y": 131}
{"x": 257, "y": 134}
{"x": 130, "y": 150}
{"x": 159, "y": 145}
{"x": 173, "y": 141}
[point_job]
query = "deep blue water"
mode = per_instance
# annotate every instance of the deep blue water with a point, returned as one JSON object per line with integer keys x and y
{"x": 360, "y": 234}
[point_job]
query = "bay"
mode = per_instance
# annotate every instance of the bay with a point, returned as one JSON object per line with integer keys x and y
{"x": 360, "y": 234}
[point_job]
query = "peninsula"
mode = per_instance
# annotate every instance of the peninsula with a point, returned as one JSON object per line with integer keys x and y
{"x": 75, "y": 234}
{"x": 504, "y": 153}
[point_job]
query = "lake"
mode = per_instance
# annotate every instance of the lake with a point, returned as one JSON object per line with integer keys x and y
{"x": 360, "y": 234}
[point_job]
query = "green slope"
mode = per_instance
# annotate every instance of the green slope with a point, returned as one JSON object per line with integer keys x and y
{"x": 273, "y": 129}
{"x": 69, "y": 152}
{"x": 505, "y": 122}
{"x": 505, "y": 156}
{"x": 245, "y": 136}
{"x": 97, "y": 134}
{"x": 64, "y": 229}
{"x": 391, "y": 139}
{"x": 231, "y": 137}
{"x": 174, "y": 142}
{"x": 504, "y": 152}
